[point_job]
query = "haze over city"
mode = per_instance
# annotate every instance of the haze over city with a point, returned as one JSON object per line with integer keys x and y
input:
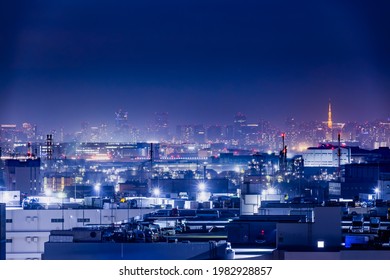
{"x": 201, "y": 61}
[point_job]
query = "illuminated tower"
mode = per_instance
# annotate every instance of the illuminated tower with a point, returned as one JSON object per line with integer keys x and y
{"x": 330, "y": 123}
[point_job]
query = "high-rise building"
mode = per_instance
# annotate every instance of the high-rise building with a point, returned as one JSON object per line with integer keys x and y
{"x": 199, "y": 133}
{"x": 214, "y": 133}
{"x": 161, "y": 127}
{"x": 121, "y": 126}
{"x": 30, "y": 131}
{"x": 292, "y": 131}
{"x": 239, "y": 126}
{"x": 8, "y": 133}
{"x": 228, "y": 132}
{"x": 185, "y": 133}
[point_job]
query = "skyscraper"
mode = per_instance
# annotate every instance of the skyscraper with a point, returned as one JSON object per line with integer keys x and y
{"x": 161, "y": 128}
{"x": 199, "y": 133}
{"x": 239, "y": 126}
{"x": 121, "y": 126}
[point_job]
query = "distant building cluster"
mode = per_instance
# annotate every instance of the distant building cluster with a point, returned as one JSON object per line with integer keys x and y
{"x": 241, "y": 167}
{"x": 33, "y": 161}
{"x": 240, "y": 133}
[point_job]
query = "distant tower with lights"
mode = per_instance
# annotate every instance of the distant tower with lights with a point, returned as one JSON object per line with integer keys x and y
{"x": 329, "y": 132}
{"x": 330, "y": 123}
{"x": 332, "y": 129}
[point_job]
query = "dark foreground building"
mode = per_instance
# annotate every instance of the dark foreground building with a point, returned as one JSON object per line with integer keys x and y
{"x": 2, "y": 231}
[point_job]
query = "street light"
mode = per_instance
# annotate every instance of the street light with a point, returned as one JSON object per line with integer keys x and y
{"x": 377, "y": 192}
{"x": 48, "y": 192}
{"x": 156, "y": 192}
{"x": 202, "y": 186}
{"x": 201, "y": 192}
{"x": 97, "y": 189}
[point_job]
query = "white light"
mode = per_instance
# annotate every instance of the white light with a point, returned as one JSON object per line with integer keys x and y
{"x": 156, "y": 191}
{"x": 97, "y": 187}
{"x": 202, "y": 197}
{"x": 272, "y": 191}
{"x": 377, "y": 190}
{"x": 48, "y": 192}
{"x": 321, "y": 244}
{"x": 61, "y": 195}
{"x": 202, "y": 186}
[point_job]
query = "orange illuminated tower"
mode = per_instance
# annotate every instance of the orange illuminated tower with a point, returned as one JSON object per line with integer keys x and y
{"x": 330, "y": 123}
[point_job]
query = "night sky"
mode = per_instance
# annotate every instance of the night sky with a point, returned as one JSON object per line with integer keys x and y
{"x": 64, "y": 62}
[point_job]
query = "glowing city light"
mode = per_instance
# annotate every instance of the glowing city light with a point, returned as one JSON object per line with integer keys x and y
{"x": 202, "y": 186}
{"x": 156, "y": 191}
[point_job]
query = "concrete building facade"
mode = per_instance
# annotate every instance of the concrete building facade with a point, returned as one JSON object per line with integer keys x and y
{"x": 28, "y": 230}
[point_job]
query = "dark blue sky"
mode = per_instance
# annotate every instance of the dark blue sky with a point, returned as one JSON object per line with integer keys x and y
{"x": 64, "y": 62}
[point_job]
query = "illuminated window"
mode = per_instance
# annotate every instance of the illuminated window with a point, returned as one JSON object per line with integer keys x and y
{"x": 320, "y": 244}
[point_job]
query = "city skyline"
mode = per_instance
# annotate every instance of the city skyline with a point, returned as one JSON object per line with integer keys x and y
{"x": 200, "y": 61}
{"x": 152, "y": 122}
